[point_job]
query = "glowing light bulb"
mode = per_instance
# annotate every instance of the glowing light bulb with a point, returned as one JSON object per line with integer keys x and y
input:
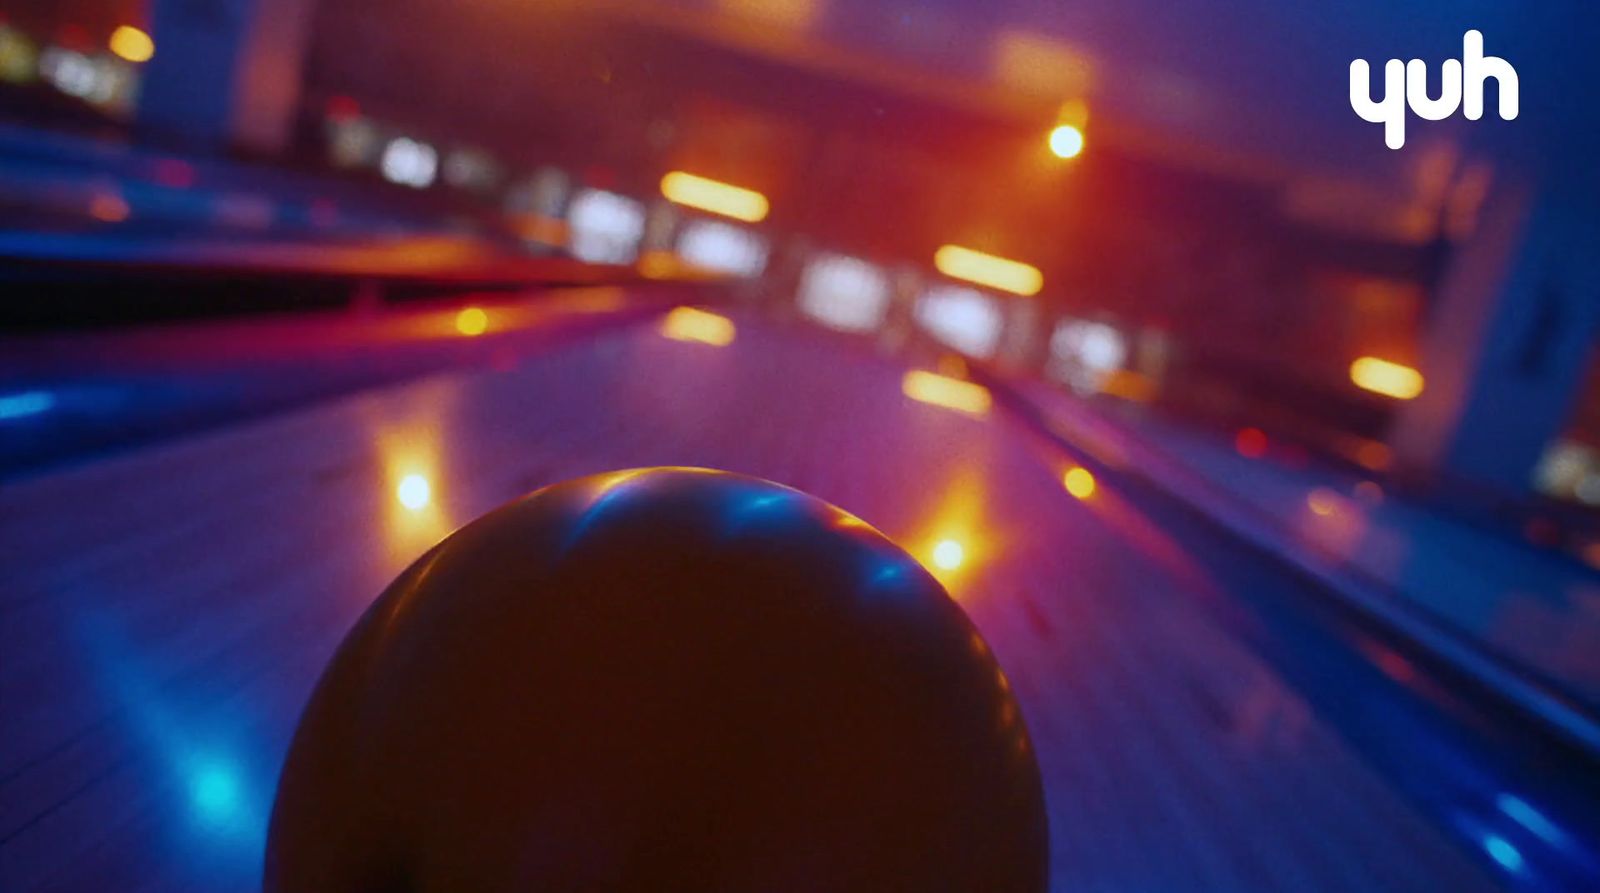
{"x": 472, "y": 321}
{"x": 132, "y": 44}
{"x": 948, "y": 555}
{"x": 413, "y": 492}
{"x": 1079, "y": 482}
{"x": 706, "y": 194}
{"x": 988, "y": 270}
{"x": 1066, "y": 141}
{"x": 1390, "y": 379}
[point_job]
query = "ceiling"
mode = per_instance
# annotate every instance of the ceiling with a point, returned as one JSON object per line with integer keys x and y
{"x": 1254, "y": 88}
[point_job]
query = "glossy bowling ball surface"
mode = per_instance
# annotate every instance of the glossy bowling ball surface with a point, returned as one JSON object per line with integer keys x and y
{"x": 661, "y": 680}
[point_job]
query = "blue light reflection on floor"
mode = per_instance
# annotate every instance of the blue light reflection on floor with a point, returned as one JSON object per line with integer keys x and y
{"x": 220, "y": 789}
{"x": 214, "y": 793}
{"x": 26, "y": 403}
{"x": 1503, "y": 852}
{"x": 1519, "y": 811}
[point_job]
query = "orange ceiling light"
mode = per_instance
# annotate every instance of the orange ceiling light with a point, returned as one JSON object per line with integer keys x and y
{"x": 1388, "y": 378}
{"x": 988, "y": 270}
{"x": 942, "y": 390}
{"x": 1066, "y": 141}
{"x": 694, "y": 324}
{"x": 706, "y": 194}
{"x": 132, "y": 44}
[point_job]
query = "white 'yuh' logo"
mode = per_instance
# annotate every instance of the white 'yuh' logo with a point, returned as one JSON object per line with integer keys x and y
{"x": 1406, "y": 83}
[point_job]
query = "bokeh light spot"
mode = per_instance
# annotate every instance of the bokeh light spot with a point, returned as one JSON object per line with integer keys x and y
{"x": 1079, "y": 482}
{"x": 472, "y": 321}
{"x": 948, "y": 555}
{"x": 1250, "y": 443}
{"x": 1066, "y": 141}
{"x": 414, "y": 492}
{"x": 132, "y": 44}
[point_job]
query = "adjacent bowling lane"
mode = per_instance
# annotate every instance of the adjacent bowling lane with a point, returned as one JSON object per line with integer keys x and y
{"x": 103, "y": 391}
{"x": 165, "y": 613}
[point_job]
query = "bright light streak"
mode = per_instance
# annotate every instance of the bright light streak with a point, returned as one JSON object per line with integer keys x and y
{"x": 409, "y": 162}
{"x": 1066, "y": 141}
{"x": 948, "y": 555}
{"x": 987, "y": 269}
{"x": 1384, "y": 377}
{"x": 1079, "y": 482}
{"x": 26, "y": 403}
{"x": 711, "y": 195}
{"x": 132, "y": 44}
{"x": 693, "y": 324}
{"x": 414, "y": 492}
{"x": 472, "y": 321}
{"x": 950, "y": 393}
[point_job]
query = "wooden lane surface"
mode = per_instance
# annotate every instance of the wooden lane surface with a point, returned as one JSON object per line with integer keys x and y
{"x": 163, "y": 615}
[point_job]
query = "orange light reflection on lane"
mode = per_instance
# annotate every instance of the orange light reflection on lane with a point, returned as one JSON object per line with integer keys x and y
{"x": 1388, "y": 378}
{"x": 947, "y": 392}
{"x": 954, "y": 539}
{"x": 472, "y": 321}
{"x": 694, "y": 324}
{"x": 413, "y": 514}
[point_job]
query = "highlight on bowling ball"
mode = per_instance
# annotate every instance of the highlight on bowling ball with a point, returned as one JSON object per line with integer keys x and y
{"x": 661, "y": 679}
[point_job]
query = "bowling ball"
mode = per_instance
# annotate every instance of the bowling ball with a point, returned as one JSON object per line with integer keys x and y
{"x": 661, "y": 680}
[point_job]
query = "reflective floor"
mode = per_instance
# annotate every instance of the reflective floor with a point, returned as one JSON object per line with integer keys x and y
{"x": 165, "y": 612}
{"x": 1538, "y": 607}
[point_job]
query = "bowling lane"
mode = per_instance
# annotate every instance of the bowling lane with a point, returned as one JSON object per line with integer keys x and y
{"x": 110, "y": 391}
{"x": 165, "y": 613}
